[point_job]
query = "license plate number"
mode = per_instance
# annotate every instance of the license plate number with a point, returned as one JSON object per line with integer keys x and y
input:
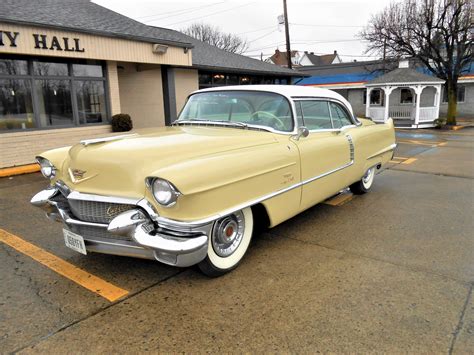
{"x": 74, "y": 241}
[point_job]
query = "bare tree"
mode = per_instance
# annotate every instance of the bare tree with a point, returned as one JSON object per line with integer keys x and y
{"x": 438, "y": 33}
{"x": 214, "y": 36}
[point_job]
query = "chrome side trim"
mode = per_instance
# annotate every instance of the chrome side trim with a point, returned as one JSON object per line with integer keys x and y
{"x": 191, "y": 224}
{"x": 385, "y": 150}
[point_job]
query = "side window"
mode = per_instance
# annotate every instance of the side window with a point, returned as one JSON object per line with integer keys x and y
{"x": 340, "y": 117}
{"x": 315, "y": 114}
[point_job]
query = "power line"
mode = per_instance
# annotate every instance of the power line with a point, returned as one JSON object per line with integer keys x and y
{"x": 260, "y": 29}
{"x": 300, "y": 42}
{"x": 341, "y": 54}
{"x": 211, "y": 14}
{"x": 180, "y": 12}
{"x": 265, "y": 35}
{"x": 310, "y": 25}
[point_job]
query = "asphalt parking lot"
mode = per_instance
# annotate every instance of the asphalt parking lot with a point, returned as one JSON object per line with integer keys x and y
{"x": 390, "y": 271}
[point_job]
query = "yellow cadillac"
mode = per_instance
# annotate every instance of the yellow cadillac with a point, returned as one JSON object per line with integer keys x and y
{"x": 237, "y": 158}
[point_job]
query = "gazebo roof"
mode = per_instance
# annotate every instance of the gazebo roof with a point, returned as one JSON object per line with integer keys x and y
{"x": 404, "y": 76}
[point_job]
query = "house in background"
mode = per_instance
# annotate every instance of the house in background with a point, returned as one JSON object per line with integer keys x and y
{"x": 352, "y": 80}
{"x": 325, "y": 59}
{"x": 305, "y": 58}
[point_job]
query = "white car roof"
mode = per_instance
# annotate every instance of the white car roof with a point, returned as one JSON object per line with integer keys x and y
{"x": 289, "y": 91}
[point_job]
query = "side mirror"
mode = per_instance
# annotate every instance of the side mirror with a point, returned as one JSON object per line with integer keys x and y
{"x": 302, "y": 132}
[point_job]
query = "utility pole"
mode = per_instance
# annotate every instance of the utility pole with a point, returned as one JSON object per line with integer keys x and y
{"x": 287, "y": 35}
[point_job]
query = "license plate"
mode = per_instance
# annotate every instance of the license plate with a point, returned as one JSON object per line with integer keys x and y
{"x": 74, "y": 241}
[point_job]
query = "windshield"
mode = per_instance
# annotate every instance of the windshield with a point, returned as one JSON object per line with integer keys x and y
{"x": 241, "y": 108}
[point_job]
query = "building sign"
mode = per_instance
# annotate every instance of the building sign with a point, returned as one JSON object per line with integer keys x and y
{"x": 42, "y": 41}
{"x": 54, "y": 42}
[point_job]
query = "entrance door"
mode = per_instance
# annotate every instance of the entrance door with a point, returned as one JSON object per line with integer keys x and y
{"x": 324, "y": 154}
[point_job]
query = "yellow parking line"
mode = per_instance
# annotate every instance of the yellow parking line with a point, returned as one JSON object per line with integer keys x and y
{"x": 426, "y": 143}
{"x": 409, "y": 161}
{"x": 73, "y": 273}
{"x": 442, "y": 144}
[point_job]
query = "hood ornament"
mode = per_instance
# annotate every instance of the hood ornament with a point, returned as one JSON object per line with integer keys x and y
{"x": 77, "y": 175}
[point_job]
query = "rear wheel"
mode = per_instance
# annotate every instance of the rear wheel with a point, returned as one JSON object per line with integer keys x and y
{"x": 363, "y": 185}
{"x": 230, "y": 239}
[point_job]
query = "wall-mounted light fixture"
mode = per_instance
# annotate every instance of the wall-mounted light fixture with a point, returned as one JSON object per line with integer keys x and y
{"x": 160, "y": 48}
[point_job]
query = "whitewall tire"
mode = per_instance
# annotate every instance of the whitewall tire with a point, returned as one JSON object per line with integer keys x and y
{"x": 363, "y": 185}
{"x": 228, "y": 243}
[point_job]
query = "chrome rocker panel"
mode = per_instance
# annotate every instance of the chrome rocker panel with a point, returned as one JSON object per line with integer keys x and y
{"x": 172, "y": 244}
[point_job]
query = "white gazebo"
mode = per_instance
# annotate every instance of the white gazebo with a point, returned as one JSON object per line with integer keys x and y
{"x": 407, "y": 96}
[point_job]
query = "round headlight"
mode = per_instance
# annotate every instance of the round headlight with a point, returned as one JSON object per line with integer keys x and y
{"x": 165, "y": 194}
{"x": 47, "y": 168}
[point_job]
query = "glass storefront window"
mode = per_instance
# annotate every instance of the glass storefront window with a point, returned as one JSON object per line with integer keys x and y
{"x": 87, "y": 70}
{"x": 16, "y": 108}
{"x": 90, "y": 101}
{"x": 54, "y": 101}
{"x": 53, "y": 69}
{"x": 205, "y": 79}
{"x": 47, "y": 92}
{"x": 13, "y": 67}
{"x": 232, "y": 80}
{"x": 244, "y": 80}
{"x": 218, "y": 79}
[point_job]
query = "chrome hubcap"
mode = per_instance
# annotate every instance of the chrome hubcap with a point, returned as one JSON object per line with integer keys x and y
{"x": 227, "y": 234}
{"x": 368, "y": 176}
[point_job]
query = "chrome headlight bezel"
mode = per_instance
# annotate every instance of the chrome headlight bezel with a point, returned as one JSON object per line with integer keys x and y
{"x": 163, "y": 191}
{"x": 47, "y": 168}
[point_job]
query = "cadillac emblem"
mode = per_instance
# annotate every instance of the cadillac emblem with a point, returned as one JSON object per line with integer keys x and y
{"x": 114, "y": 210}
{"x": 78, "y": 174}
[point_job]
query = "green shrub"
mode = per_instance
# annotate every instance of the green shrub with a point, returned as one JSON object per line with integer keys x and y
{"x": 440, "y": 122}
{"x": 121, "y": 122}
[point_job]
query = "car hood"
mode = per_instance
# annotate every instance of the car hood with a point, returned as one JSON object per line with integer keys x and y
{"x": 118, "y": 166}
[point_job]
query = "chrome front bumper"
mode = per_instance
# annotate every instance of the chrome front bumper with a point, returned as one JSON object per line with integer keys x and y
{"x": 139, "y": 231}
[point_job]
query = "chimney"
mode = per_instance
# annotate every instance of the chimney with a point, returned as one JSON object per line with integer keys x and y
{"x": 312, "y": 53}
{"x": 335, "y": 52}
{"x": 305, "y": 52}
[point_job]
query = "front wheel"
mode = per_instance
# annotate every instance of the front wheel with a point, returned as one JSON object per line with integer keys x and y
{"x": 230, "y": 239}
{"x": 363, "y": 185}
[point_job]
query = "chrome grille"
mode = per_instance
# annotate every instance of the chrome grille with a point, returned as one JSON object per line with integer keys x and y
{"x": 88, "y": 232}
{"x": 97, "y": 212}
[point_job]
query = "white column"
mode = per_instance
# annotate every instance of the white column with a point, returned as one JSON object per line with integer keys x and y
{"x": 367, "y": 102}
{"x": 387, "y": 91}
{"x": 418, "y": 91}
{"x": 437, "y": 100}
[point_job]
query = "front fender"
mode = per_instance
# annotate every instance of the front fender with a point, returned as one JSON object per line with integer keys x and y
{"x": 213, "y": 184}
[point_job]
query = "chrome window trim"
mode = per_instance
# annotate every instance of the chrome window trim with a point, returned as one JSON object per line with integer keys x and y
{"x": 353, "y": 117}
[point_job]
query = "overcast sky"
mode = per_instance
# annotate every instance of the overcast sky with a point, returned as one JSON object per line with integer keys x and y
{"x": 315, "y": 25}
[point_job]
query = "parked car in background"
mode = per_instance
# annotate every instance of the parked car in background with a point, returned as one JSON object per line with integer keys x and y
{"x": 194, "y": 192}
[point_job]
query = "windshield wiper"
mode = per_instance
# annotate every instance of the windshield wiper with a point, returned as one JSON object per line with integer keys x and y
{"x": 226, "y": 123}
